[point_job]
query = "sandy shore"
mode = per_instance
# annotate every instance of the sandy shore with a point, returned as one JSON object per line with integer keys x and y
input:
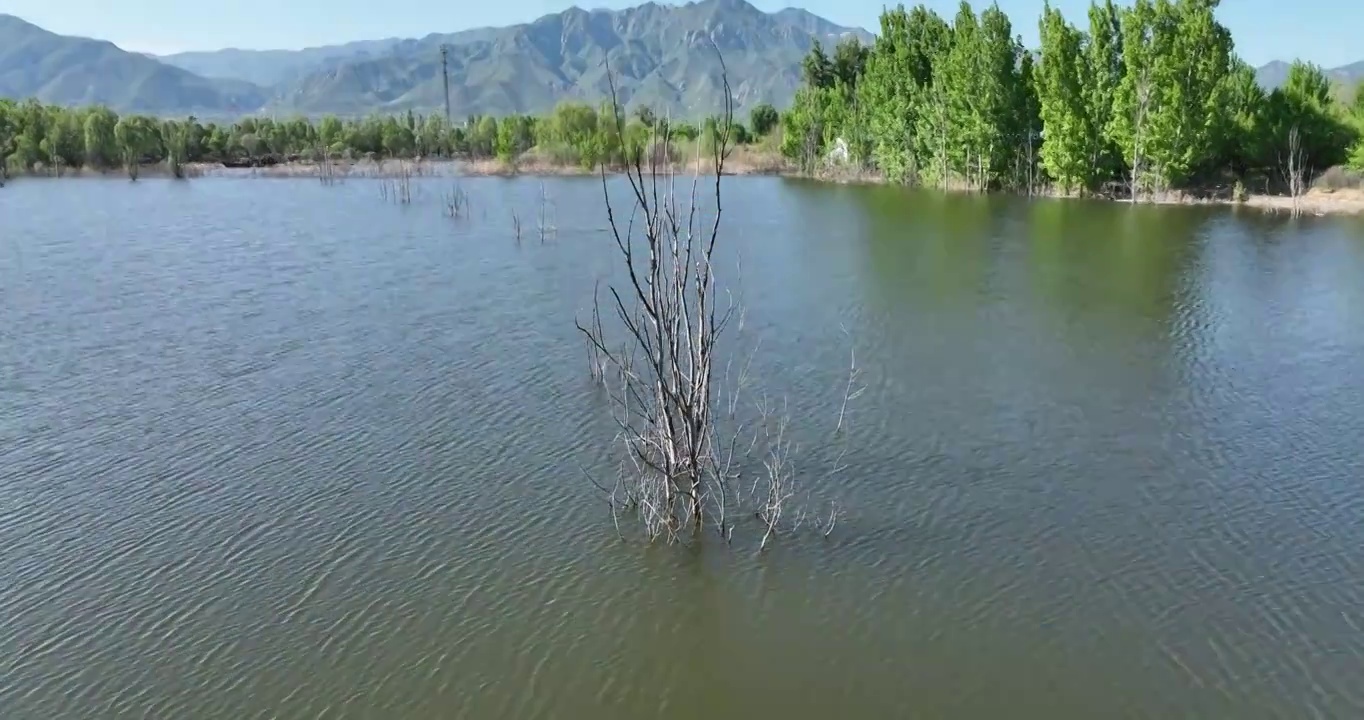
{"x": 1315, "y": 202}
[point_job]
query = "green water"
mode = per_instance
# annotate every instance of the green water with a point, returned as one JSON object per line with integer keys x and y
{"x": 275, "y": 450}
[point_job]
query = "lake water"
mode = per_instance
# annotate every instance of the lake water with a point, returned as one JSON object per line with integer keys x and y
{"x": 270, "y": 449}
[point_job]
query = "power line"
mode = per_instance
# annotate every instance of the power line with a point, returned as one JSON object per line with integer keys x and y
{"x": 445, "y": 75}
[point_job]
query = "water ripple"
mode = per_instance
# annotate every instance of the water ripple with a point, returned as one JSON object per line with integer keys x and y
{"x": 329, "y": 467}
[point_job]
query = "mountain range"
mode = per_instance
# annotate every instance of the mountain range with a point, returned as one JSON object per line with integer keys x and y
{"x": 660, "y": 55}
{"x": 79, "y": 71}
{"x": 1275, "y": 74}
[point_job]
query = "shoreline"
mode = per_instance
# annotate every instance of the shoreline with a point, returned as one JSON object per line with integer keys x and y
{"x": 1316, "y": 202}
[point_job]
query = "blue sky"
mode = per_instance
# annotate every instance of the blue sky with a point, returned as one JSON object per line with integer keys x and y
{"x": 1322, "y": 31}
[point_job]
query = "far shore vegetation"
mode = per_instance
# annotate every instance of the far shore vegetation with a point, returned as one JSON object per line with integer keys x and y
{"x": 47, "y": 139}
{"x": 1147, "y": 103}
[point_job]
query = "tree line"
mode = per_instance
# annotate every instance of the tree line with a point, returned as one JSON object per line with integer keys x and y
{"x": 52, "y": 138}
{"x": 1144, "y": 99}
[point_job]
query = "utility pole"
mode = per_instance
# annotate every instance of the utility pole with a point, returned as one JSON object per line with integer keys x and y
{"x": 445, "y": 75}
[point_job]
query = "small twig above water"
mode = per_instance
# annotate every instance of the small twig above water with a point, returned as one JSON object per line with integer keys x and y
{"x": 399, "y": 188}
{"x": 547, "y": 228}
{"x": 456, "y": 203}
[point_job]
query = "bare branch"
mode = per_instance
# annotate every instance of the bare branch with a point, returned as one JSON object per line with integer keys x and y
{"x": 682, "y": 453}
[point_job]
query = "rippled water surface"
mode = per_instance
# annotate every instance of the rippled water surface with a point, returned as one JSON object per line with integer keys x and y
{"x": 270, "y": 449}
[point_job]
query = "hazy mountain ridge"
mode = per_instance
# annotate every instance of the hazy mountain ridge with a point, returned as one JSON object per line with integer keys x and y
{"x": 80, "y": 71}
{"x": 273, "y": 67}
{"x": 1273, "y": 74}
{"x": 663, "y": 55}
{"x": 660, "y": 54}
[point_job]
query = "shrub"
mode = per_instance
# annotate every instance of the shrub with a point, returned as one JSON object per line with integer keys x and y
{"x": 1339, "y": 178}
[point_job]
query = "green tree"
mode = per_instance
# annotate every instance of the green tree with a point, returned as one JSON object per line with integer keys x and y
{"x": 31, "y": 127}
{"x": 398, "y": 139}
{"x": 1354, "y": 115}
{"x": 843, "y": 116}
{"x": 1067, "y": 125}
{"x": 329, "y": 130}
{"x": 958, "y": 84}
{"x": 1301, "y": 119}
{"x": 999, "y": 92}
{"x": 252, "y": 144}
{"x": 889, "y": 93}
{"x": 763, "y": 119}
{"x": 974, "y": 103}
{"x": 365, "y": 136}
{"x": 9, "y": 123}
{"x": 686, "y": 131}
{"x": 1102, "y": 73}
{"x": 217, "y": 142}
{"x": 515, "y": 135}
{"x": 1142, "y": 109}
{"x": 1355, "y": 156}
{"x": 483, "y": 138}
{"x": 302, "y": 136}
{"x": 175, "y": 143}
{"x": 1167, "y": 109}
{"x": 817, "y": 70}
{"x": 64, "y": 144}
{"x": 1027, "y": 139}
{"x": 195, "y": 136}
{"x": 457, "y": 141}
{"x": 268, "y": 135}
{"x": 433, "y": 137}
{"x": 570, "y": 133}
{"x": 803, "y": 127}
{"x": 1208, "y": 53}
{"x": 1243, "y": 137}
{"x": 849, "y": 62}
{"x": 135, "y": 137}
{"x": 897, "y": 91}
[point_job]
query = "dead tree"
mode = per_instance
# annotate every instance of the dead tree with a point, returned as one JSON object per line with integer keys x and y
{"x": 457, "y": 204}
{"x": 1139, "y": 110}
{"x": 326, "y": 170}
{"x": 545, "y": 225}
{"x": 404, "y": 183}
{"x": 399, "y": 188}
{"x": 660, "y": 377}
{"x": 1293, "y": 166}
{"x": 682, "y": 443}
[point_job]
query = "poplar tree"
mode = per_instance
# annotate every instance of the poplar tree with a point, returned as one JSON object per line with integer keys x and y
{"x": 962, "y": 89}
{"x": 997, "y": 96}
{"x": 1064, "y": 108}
{"x": 1103, "y": 73}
